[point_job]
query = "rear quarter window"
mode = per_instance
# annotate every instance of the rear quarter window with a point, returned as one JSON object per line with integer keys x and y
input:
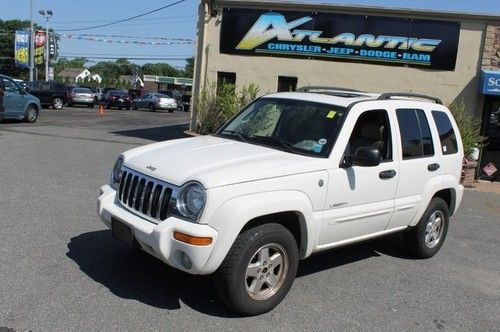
{"x": 416, "y": 138}
{"x": 446, "y": 133}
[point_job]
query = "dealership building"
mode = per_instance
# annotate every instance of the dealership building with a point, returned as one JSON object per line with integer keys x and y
{"x": 281, "y": 45}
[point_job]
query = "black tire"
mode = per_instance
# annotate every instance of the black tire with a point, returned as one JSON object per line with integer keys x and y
{"x": 57, "y": 103}
{"x": 127, "y": 108}
{"x": 134, "y": 106}
{"x": 107, "y": 106}
{"x": 91, "y": 105}
{"x": 170, "y": 111}
{"x": 151, "y": 108}
{"x": 31, "y": 114}
{"x": 418, "y": 240}
{"x": 231, "y": 280}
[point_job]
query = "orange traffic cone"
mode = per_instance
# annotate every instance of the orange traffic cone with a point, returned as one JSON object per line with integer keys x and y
{"x": 101, "y": 109}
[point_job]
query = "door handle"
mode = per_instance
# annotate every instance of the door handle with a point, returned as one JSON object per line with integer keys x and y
{"x": 433, "y": 167}
{"x": 387, "y": 174}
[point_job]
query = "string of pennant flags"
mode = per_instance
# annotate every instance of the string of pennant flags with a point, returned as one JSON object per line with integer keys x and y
{"x": 145, "y": 41}
{"x": 134, "y": 37}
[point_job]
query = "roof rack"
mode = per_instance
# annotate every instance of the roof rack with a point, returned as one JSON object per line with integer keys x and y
{"x": 325, "y": 88}
{"x": 387, "y": 96}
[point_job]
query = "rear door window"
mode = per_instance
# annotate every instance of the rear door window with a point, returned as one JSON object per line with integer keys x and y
{"x": 416, "y": 138}
{"x": 446, "y": 133}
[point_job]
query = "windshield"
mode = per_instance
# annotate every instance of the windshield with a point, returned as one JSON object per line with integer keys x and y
{"x": 294, "y": 126}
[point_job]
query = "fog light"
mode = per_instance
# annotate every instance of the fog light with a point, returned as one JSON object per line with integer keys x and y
{"x": 186, "y": 261}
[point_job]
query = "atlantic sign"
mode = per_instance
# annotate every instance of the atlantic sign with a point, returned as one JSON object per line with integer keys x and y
{"x": 422, "y": 43}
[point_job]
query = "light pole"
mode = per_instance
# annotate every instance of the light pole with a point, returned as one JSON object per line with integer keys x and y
{"x": 32, "y": 43}
{"x": 47, "y": 14}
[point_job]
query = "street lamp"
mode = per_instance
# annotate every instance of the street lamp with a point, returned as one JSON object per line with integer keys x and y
{"x": 47, "y": 14}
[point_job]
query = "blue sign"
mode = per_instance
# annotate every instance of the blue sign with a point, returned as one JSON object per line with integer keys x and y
{"x": 491, "y": 82}
{"x": 21, "y": 48}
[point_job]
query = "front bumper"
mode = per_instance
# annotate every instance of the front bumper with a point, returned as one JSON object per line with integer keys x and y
{"x": 157, "y": 239}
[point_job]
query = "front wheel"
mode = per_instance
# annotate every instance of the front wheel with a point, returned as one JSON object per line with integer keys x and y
{"x": 259, "y": 269}
{"x": 31, "y": 114}
{"x": 427, "y": 237}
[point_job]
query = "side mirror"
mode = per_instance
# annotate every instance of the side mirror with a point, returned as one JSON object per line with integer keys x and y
{"x": 26, "y": 89}
{"x": 365, "y": 157}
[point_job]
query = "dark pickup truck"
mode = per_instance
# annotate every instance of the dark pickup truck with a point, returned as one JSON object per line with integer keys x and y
{"x": 50, "y": 93}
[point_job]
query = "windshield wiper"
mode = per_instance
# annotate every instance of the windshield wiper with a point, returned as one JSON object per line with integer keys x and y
{"x": 235, "y": 133}
{"x": 288, "y": 146}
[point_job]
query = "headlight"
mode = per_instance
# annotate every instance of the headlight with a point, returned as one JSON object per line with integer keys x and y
{"x": 191, "y": 200}
{"x": 117, "y": 172}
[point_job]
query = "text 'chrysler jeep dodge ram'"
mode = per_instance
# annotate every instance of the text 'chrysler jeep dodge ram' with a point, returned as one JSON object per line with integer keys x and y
{"x": 292, "y": 174}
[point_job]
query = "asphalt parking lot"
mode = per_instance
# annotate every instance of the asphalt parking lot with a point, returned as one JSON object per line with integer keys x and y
{"x": 60, "y": 268}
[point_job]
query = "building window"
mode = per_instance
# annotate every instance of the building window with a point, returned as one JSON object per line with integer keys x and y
{"x": 416, "y": 138}
{"x": 225, "y": 78}
{"x": 287, "y": 83}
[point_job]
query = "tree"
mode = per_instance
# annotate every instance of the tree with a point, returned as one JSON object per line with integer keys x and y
{"x": 189, "y": 68}
{"x": 106, "y": 69}
{"x": 159, "y": 69}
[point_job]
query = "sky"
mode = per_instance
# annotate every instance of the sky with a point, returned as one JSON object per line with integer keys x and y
{"x": 175, "y": 22}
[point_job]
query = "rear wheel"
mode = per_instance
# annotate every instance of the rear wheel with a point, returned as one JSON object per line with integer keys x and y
{"x": 57, "y": 103}
{"x": 31, "y": 114}
{"x": 427, "y": 237}
{"x": 259, "y": 269}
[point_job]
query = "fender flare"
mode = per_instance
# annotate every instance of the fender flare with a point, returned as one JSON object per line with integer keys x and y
{"x": 232, "y": 216}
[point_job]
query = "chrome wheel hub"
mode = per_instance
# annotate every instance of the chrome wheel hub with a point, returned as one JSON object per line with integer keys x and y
{"x": 31, "y": 114}
{"x": 434, "y": 229}
{"x": 266, "y": 271}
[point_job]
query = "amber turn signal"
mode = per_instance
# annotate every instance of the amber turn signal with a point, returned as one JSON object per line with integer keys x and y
{"x": 193, "y": 240}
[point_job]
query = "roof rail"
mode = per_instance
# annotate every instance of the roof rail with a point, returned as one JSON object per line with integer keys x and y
{"x": 326, "y": 88}
{"x": 387, "y": 96}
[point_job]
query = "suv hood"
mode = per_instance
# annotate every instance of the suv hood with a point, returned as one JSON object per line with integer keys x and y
{"x": 215, "y": 161}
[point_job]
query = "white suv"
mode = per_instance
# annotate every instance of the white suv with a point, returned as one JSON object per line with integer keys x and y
{"x": 290, "y": 175}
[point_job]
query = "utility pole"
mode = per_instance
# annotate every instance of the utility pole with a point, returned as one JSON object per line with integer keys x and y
{"x": 32, "y": 43}
{"x": 47, "y": 14}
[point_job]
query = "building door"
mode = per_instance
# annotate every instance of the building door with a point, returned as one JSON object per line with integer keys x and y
{"x": 287, "y": 83}
{"x": 490, "y": 155}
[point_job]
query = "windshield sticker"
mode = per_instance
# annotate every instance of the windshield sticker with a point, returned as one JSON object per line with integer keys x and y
{"x": 317, "y": 147}
{"x": 322, "y": 141}
{"x": 331, "y": 114}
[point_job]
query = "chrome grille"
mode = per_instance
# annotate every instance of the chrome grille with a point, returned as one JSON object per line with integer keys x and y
{"x": 145, "y": 195}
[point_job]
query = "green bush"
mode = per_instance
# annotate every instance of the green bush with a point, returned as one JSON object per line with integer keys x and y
{"x": 214, "y": 108}
{"x": 468, "y": 125}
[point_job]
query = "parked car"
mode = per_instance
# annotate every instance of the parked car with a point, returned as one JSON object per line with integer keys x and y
{"x": 292, "y": 174}
{"x": 17, "y": 103}
{"x": 81, "y": 96}
{"x": 155, "y": 101}
{"x": 173, "y": 94}
{"x": 116, "y": 98}
{"x": 50, "y": 93}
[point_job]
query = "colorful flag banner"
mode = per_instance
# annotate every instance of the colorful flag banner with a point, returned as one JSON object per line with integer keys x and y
{"x": 39, "y": 47}
{"x": 21, "y": 49}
